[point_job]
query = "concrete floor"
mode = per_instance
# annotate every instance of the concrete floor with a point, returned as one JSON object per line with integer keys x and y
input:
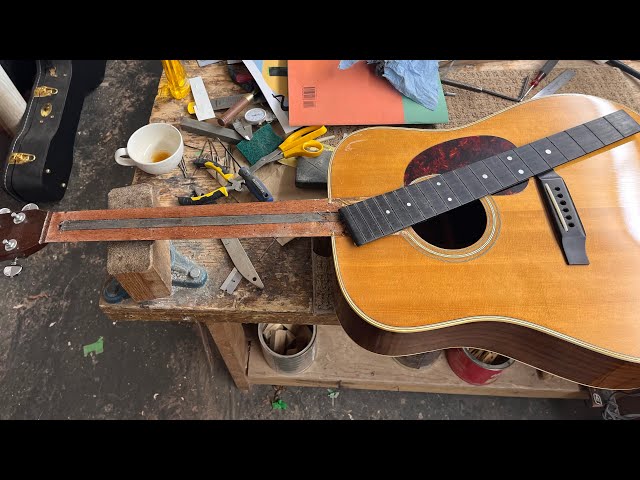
{"x": 158, "y": 370}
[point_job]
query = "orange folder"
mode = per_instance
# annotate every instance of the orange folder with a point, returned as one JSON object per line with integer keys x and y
{"x": 321, "y": 94}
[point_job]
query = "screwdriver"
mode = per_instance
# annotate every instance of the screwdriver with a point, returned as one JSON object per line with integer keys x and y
{"x": 544, "y": 71}
{"x": 472, "y": 88}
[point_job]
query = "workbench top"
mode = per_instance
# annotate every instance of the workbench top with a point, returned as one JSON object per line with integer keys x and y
{"x": 286, "y": 271}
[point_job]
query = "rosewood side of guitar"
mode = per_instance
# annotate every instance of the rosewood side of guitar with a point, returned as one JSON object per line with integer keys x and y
{"x": 510, "y": 292}
{"x": 545, "y": 352}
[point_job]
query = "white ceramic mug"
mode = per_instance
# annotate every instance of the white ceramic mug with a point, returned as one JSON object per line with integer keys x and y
{"x": 155, "y": 148}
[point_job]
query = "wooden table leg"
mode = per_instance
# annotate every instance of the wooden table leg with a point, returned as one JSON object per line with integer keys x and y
{"x": 233, "y": 346}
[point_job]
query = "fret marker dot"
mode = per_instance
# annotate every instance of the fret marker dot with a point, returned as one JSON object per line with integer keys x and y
{"x": 509, "y": 158}
{"x": 484, "y": 175}
{"x": 387, "y": 212}
{"x": 521, "y": 171}
{"x": 547, "y": 151}
{"x": 408, "y": 204}
{"x": 449, "y": 199}
{"x": 438, "y": 183}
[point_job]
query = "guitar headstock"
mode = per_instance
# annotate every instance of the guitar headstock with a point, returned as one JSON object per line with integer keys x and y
{"x": 21, "y": 232}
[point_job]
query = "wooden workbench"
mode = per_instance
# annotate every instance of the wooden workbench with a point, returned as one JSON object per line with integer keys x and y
{"x": 295, "y": 291}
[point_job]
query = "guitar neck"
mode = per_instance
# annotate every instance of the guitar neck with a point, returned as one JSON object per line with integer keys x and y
{"x": 298, "y": 218}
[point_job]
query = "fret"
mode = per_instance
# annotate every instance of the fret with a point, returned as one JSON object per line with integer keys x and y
{"x": 585, "y": 139}
{"x": 471, "y": 182}
{"x": 463, "y": 194}
{"x": 421, "y": 201}
{"x": 391, "y": 217}
{"x": 446, "y": 194}
{"x": 410, "y": 205}
{"x": 516, "y": 165}
{"x": 622, "y": 122}
{"x": 500, "y": 171}
{"x": 399, "y": 209}
{"x": 567, "y": 145}
{"x": 531, "y": 158}
{"x": 549, "y": 152}
{"x": 429, "y": 191}
{"x": 355, "y": 229}
{"x": 604, "y": 131}
{"x": 380, "y": 217}
{"x": 368, "y": 227}
{"x": 485, "y": 176}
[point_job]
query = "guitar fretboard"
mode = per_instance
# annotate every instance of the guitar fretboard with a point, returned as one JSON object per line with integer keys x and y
{"x": 379, "y": 216}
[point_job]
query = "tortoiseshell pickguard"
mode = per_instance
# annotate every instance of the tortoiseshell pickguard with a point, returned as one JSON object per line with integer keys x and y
{"x": 457, "y": 153}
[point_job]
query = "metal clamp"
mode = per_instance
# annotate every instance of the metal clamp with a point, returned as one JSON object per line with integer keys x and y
{"x": 184, "y": 273}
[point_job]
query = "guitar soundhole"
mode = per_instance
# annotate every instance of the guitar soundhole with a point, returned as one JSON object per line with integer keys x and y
{"x": 464, "y": 225}
{"x": 459, "y": 228}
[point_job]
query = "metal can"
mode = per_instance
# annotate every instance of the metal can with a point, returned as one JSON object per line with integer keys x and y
{"x": 473, "y": 371}
{"x": 289, "y": 364}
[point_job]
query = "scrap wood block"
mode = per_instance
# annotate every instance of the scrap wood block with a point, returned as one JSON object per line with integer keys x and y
{"x": 295, "y": 328}
{"x": 269, "y": 329}
{"x": 143, "y": 268}
{"x": 280, "y": 341}
{"x": 302, "y": 333}
{"x": 290, "y": 338}
{"x": 272, "y": 342}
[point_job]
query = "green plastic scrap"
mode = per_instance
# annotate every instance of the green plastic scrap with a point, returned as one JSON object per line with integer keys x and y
{"x": 332, "y": 394}
{"x": 279, "y": 405}
{"x": 97, "y": 347}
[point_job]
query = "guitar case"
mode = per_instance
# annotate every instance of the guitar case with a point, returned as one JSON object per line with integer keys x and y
{"x": 40, "y": 157}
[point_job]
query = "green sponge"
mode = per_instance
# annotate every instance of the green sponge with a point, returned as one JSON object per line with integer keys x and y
{"x": 263, "y": 142}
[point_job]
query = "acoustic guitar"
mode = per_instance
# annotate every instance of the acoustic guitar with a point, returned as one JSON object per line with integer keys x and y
{"x": 518, "y": 234}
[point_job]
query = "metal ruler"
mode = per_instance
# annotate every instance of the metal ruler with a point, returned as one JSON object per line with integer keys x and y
{"x": 555, "y": 84}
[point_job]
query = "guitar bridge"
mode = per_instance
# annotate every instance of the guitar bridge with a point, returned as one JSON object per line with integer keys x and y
{"x": 569, "y": 229}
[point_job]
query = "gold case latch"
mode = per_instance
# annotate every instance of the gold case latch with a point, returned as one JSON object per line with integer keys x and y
{"x": 44, "y": 91}
{"x": 18, "y": 158}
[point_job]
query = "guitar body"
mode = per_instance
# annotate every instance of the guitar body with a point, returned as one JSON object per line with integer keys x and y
{"x": 492, "y": 274}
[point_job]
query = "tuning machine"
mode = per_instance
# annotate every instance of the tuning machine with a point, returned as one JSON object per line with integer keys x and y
{"x": 11, "y": 244}
{"x": 20, "y": 216}
{"x": 12, "y": 270}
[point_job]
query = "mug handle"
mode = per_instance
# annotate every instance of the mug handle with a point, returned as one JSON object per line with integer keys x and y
{"x": 122, "y": 158}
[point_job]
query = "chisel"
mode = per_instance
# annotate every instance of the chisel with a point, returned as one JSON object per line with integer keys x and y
{"x": 622, "y": 66}
{"x": 473, "y": 88}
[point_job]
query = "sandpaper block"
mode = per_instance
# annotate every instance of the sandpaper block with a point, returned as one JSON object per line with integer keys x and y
{"x": 263, "y": 142}
{"x": 312, "y": 172}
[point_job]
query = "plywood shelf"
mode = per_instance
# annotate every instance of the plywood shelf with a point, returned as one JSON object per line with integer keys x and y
{"x": 342, "y": 363}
